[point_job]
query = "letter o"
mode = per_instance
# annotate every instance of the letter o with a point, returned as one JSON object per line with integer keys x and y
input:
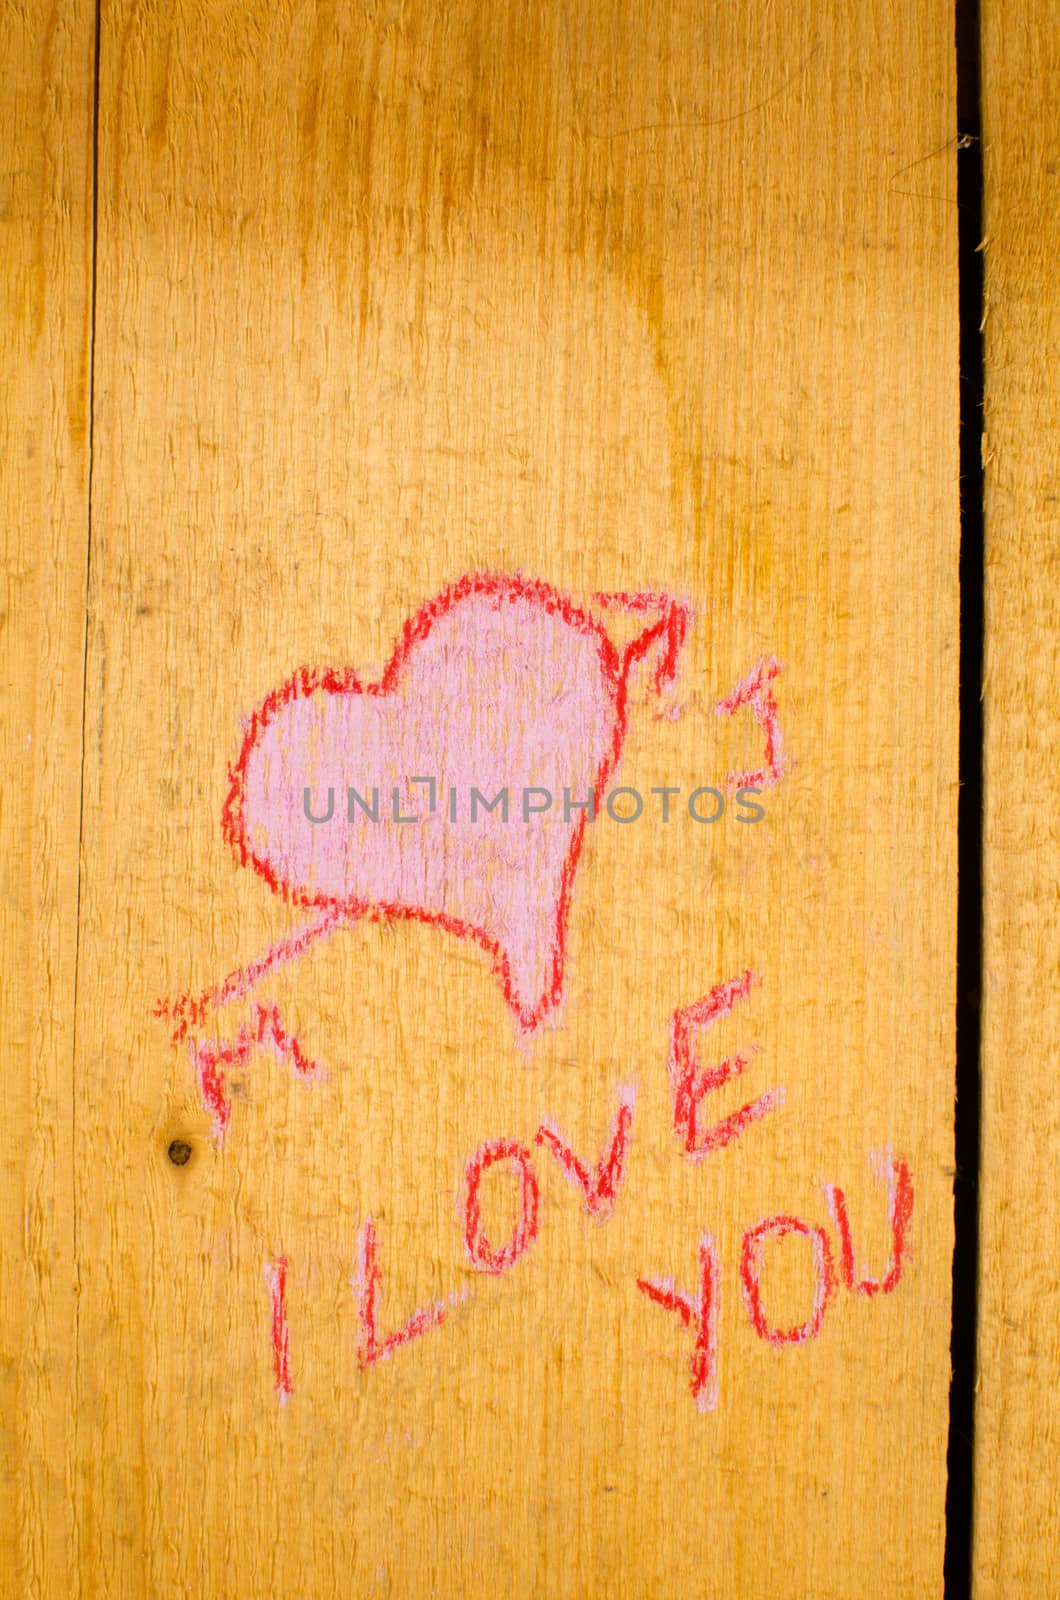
{"x": 479, "y": 1248}
{"x": 616, "y": 816}
{"x": 750, "y": 1273}
{"x": 694, "y": 814}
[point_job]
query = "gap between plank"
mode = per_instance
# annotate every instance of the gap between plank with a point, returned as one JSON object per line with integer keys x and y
{"x": 957, "y": 1568}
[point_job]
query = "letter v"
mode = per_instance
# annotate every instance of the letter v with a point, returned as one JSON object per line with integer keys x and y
{"x": 600, "y": 1186}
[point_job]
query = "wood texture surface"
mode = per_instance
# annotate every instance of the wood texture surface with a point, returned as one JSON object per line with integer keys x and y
{"x": 46, "y": 71}
{"x": 625, "y": 297}
{"x": 1017, "y": 1430}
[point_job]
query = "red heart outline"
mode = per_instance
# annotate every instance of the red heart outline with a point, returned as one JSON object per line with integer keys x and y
{"x": 670, "y": 625}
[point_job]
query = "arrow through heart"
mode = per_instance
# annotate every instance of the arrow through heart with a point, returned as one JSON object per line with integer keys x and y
{"x": 499, "y": 683}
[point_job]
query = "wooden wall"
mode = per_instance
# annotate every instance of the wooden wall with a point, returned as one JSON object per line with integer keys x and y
{"x": 309, "y": 311}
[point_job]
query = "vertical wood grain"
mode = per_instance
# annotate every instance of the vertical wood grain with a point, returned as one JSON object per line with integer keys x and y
{"x": 46, "y": 81}
{"x": 628, "y": 296}
{"x": 1017, "y": 1420}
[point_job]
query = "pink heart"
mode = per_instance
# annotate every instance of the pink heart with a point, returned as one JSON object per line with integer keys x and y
{"x": 499, "y": 683}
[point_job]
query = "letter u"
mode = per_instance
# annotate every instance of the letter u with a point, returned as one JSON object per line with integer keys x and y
{"x": 307, "y": 795}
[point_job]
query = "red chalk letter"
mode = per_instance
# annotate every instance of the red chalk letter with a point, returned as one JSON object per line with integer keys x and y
{"x": 901, "y": 1187}
{"x": 750, "y": 1272}
{"x": 370, "y": 1347}
{"x": 479, "y": 1248}
{"x": 601, "y": 1185}
{"x": 276, "y": 1278}
{"x": 702, "y": 1314}
{"x": 691, "y": 1083}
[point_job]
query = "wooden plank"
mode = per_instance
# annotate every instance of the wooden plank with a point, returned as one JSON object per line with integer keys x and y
{"x": 45, "y": 268}
{"x": 626, "y": 298}
{"x": 1017, "y": 1424}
